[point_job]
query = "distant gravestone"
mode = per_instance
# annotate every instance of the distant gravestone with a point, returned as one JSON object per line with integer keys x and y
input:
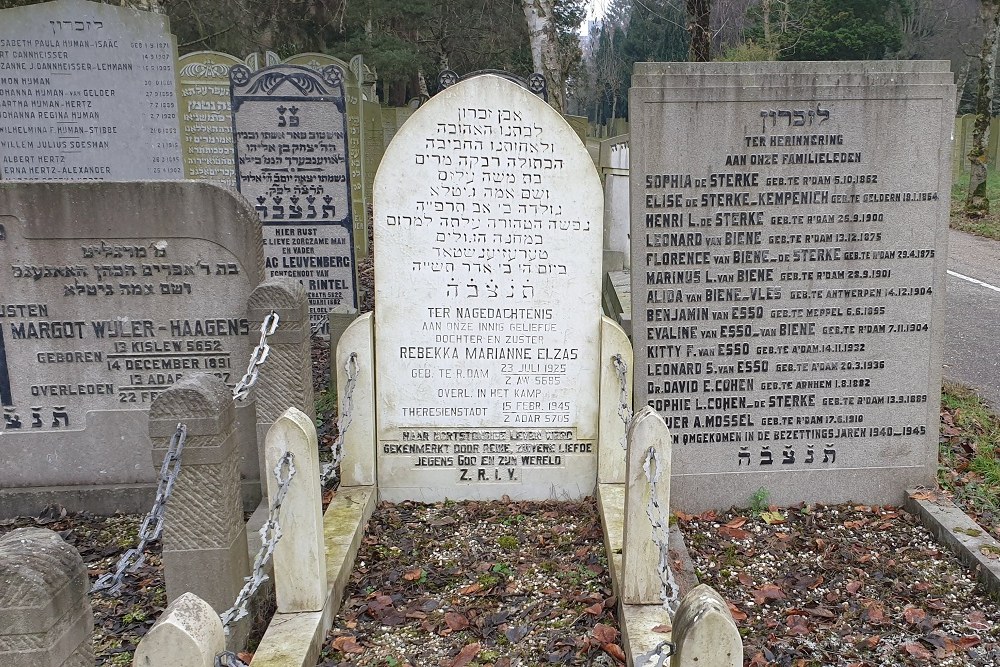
{"x": 102, "y": 314}
{"x": 290, "y": 129}
{"x": 206, "y": 116}
{"x": 87, "y": 92}
{"x": 355, "y": 139}
{"x": 789, "y": 229}
{"x": 487, "y": 334}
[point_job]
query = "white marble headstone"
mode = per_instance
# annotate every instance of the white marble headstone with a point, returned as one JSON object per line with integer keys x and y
{"x": 487, "y": 300}
{"x": 87, "y": 92}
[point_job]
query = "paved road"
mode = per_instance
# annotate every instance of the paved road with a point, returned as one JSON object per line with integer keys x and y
{"x": 972, "y": 339}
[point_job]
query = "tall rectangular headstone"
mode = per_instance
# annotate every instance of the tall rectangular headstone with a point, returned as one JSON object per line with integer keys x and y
{"x": 488, "y": 275}
{"x": 789, "y": 234}
{"x": 101, "y": 313}
{"x": 290, "y": 135}
{"x": 206, "y": 116}
{"x": 87, "y": 92}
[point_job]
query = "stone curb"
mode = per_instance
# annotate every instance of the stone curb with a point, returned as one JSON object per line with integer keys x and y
{"x": 295, "y": 640}
{"x": 954, "y": 528}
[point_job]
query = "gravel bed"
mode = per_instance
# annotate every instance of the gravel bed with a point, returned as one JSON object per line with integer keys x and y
{"x": 847, "y": 585}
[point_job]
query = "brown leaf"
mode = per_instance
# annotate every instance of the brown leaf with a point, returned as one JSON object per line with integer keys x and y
{"x": 977, "y": 620}
{"x": 736, "y": 612}
{"x": 965, "y": 643}
{"x": 662, "y": 628}
{"x": 413, "y": 575}
{"x": 604, "y": 633}
{"x": 245, "y": 656}
{"x": 853, "y": 587}
{"x": 737, "y": 522}
{"x": 472, "y": 588}
{"x": 744, "y": 579}
{"x": 614, "y": 651}
{"x": 347, "y": 644}
{"x": 768, "y": 592}
{"x": 876, "y": 613}
{"x": 913, "y": 614}
{"x": 465, "y": 656}
{"x": 735, "y": 533}
{"x": 684, "y": 517}
{"x": 455, "y": 621}
{"x": 924, "y": 495}
{"x": 595, "y": 609}
{"x": 917, "y": 650}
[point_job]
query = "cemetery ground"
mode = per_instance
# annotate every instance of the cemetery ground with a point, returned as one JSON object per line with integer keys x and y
{"x": 509, "y": 583}
{"x": 988, "y": 225}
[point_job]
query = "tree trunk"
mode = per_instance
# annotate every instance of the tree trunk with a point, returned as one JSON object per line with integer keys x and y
{"x": 699, "y": 25}
{"x": 545, "y": 49}
{"x": 977, "y": 203}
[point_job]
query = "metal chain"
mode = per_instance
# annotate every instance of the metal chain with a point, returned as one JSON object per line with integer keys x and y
{"x": 624, "y": 411}
{"x": 270, "y": 533}
{"x": 658, "y": 656}
{"x": 152, "y": 525}
{"x": 229, "y": 659}
{"x": 259, "y": 356}
{"x": 330, "y": 470}
{"x": 669, "y": 590}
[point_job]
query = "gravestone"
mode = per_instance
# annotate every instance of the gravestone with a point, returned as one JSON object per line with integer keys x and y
{"x": 206, "y": 116}
{"x": 100, "y": 315}
{"x": 355, "y": 139}
{"x": 87, "y": 92}
{"x": 788, "y": 263}
{"x": 45, "y": 613}
{"x": 488, "y": 274}
{"x": 290, "y": 133}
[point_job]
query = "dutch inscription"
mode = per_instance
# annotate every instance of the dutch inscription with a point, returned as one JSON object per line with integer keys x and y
{"x": 487, "y": 258}
{"x": 785, "y": 286}
{"x": 87, "y": 92}
{"x": 290, "y": 136}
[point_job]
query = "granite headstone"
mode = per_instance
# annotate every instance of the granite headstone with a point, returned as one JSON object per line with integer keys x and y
{"x": 112, "y": 292}
{"x": 788, "y": 265}
{"x": 488, "y": 273}
{"x": 87, "y": 92}
{"x": 290, "y": 134}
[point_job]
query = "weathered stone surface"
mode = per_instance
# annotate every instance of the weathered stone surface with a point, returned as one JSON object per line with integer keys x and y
{"x": 206, "y": 116}
{"x": 299, "y": 557}
{"x": 357, "y": 468}
{"x": 45, "y": 614}
{"x": 290, "y": 128}
{"x": 102, "y": 314}
{"x": 93, "y": 94}
{"x": 787, "y": 278}
{"x": 204, "y": 537}
{"x": 487, "y": 264}
{"x": 188, "y": 632}
{"x": 704, "y": 632}
{"x": 616, "y": 402}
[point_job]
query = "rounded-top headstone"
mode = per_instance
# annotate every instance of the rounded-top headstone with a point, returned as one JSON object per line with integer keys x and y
{"x": 488, "y": 237}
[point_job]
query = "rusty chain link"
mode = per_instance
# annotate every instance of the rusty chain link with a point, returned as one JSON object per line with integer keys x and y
{"x": 270, "y": 533}
{"x": 259, "y": 356}
{"x": 152, "y": 524}
{"x": 330, "y": 469}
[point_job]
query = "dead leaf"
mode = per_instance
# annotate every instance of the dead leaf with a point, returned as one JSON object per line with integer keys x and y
{"x": 853, "y": 587}
{"x": 465, "y": 656}
{"x": 595, "y": 609}
{"x": 347, "y": 644}
{"x": 455, "y": 621}
{"x": 913, "y": 614}
{"x": 744, "y": 579}
{"x": 604, "y": 633}
{"x": 737, "y": 522}
{"x": 735, "y": 533}
{"x": 772, "y": 518}
{"x": 977, "y": 620}
{"x": 736, "y": 612}
{"x": 917, "y": 650}
{"x": 614, "y": 651}
{"x": 768, "y": 592}
{"x": 662, "y": 628}
{"x": 924, "y": 495}
{"x": 413, "y": 575}
{"x": 470, "y": 589}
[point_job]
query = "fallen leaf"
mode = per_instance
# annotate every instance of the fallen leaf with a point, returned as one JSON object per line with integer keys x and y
{"x": 245, "y": 656}
{"x": 662, "y": 627}
{"x": 853, "y": 587}
{"x": 772, "y": 518}
{"x": 455, "y": 621}
{"x": 413, "y": 575}
{"x": 472, "y": 588}
{"x": 347, "y": 644}
{"x": 604, "y": 633}
{"x": 924, "y": 495}
{"x": 465, "y": 656}
{"x": 735, "y": 533}
{"x": 744, "y": 579}
{"x": 977, "y": 620}
{"x": 736, "y": 612}
{"x": 614, "y": 651}
{"x": 913, "y": 614}
{"x": 595, "y": 609}
{"x": 917, "y": 650}
{"x": 737, "y": 522}
{"x": 768, "y": 592}
{"x": 516, "y": 633}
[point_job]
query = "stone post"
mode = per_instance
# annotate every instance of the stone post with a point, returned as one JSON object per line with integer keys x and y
{"x": 45, "y": 614}
{"x": 357, "y": 468}
{"x": 285, "y": 379}
{"x": 188, "y": 632}
{"x": 610, "y": 452}
{"x": 204, "y": 536}
{"x": 704, "y": 632}
{"x": 299, "y": 557}
{"x": 640, "y": 554}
